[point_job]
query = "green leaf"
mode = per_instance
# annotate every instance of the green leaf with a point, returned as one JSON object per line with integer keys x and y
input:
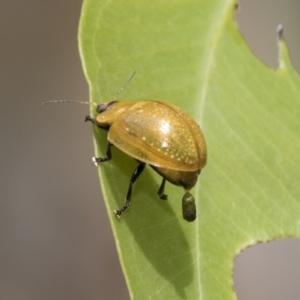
{"x": 190, "y": 53}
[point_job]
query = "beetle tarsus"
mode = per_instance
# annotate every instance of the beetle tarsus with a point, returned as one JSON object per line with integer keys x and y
{"x": 119, "y": 212}
{"x": 163, "y": 197}
{"x": 92, "y": 120}
{"x": 98, "y": 160}
{"x": 88, "y": 118}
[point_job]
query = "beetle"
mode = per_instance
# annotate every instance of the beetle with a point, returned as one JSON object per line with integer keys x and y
{"x": 158, "y": 134}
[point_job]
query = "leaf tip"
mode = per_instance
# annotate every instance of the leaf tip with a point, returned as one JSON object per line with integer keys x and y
{"x": 284, "y": 57}
{"x": 279, "y": 31}
{"x": 236, "y": 7}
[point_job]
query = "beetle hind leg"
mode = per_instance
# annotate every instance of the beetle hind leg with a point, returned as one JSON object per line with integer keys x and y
{"x": 161, "y": 189}
{"x": 136, "y": 173}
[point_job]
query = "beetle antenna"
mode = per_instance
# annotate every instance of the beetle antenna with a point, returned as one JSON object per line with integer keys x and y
{"x": 124, "y": 85}
{"x": 67, "y": 101}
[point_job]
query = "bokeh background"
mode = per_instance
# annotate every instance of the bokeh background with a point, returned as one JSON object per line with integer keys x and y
{"x": 55, "y": 239}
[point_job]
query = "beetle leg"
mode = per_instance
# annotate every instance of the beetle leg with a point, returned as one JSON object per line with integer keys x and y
{"x": 96, "y": 123}
{"x": 161, "y": 189}
{"x": 90, "y": 119}
{"x": 98, "y": 160}
{"x": 136, "y": 173}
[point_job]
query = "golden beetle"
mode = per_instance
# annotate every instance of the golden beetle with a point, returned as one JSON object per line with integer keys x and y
{"x": 158, "y": 134}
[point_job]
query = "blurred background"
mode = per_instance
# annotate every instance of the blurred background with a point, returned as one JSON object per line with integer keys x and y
{"x": 56, "y": 242}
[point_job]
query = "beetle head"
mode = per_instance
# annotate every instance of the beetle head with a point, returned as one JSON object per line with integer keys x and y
{"x": 108, "y": 112}
{"x": 104, "y": 106}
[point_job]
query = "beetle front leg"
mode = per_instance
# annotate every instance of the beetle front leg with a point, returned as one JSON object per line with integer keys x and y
{"x": 137, "y": 172}
{"x": 98, "y": 160}
{"x": 96, "y": 123}
{"x": 92, "y": 120}
{"x": 161, "y": 189}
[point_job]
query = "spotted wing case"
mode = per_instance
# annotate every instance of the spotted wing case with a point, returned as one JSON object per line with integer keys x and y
{"x": 161, "y": 135}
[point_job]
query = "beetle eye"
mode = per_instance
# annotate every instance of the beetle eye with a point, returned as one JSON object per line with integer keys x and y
{"x": 101, "y": 108}
{"x": 104, "y": 106}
